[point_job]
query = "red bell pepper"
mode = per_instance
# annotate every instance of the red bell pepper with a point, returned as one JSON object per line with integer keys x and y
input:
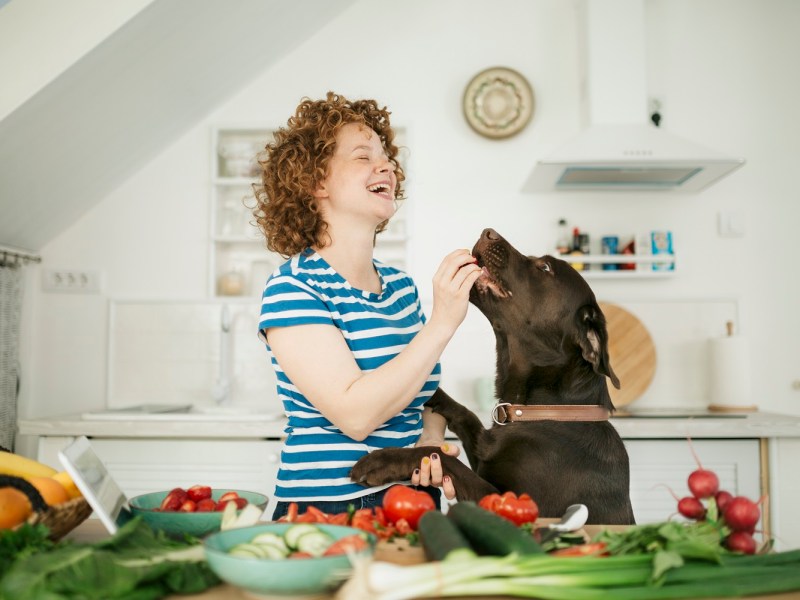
{"x": 517, "y": 509}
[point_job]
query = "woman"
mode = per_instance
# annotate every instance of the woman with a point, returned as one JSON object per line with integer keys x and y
{"x": 353, "y": 353}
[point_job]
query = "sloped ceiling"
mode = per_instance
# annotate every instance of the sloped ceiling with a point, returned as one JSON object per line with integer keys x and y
{"x": 102, "y": 119}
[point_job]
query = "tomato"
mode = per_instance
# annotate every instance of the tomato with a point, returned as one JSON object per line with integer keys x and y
{"x": 199, "y": 492}
{"x": 402, "y": 502}
{"x": 299, "y": 554}
{"x": 228, "y": 496}
{"x": 363, "y": 519}
{"x": 517, "y": 509}
{"x": 291, "y": 514}
{"x": 593, "y": 549}
{"x": 188, "y": 506}
{"x": 339, "y": 519}
{"x": 319, "y": 516}
{"x": 174, "y": 499}
{"x": 350, "y": 543}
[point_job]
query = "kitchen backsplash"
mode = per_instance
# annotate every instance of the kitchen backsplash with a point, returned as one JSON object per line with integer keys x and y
{"x": 169, "y": 352}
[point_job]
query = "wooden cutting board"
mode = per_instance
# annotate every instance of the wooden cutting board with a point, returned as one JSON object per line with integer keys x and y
{"x": 631, "y": 352}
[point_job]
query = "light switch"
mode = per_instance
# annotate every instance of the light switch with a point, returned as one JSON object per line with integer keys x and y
{"x": 730, "y": 223}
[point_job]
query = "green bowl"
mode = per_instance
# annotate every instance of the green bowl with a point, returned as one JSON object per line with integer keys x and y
{"x": 197, "y": 524}
{"x": 286, "y": 577}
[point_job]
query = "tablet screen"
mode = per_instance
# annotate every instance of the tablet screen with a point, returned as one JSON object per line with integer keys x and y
{"x": 95, "y": 483}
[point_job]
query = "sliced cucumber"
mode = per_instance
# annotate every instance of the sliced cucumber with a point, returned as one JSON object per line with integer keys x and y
{"x": 271, "y": 539}
{"x": 296, "y": 531}
{"x": 250, "y": 550}
{"x": 314, "y": 542}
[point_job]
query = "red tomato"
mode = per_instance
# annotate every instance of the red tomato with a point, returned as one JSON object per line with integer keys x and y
{"x": 239, "y": 502}
{"x": 402, "y": 502}
{"x": 199, "y": 492}
{"x": 594, "y": 549}
{"x": 299, "y": 554}
{"x": 339, "y": 519}
{"x": 188, "y": 506}
{"x": 350, "y": 543}
{"x": 206, "y": 505}
{"x": 174, "y": 499}
{"x": 517, "y": 509}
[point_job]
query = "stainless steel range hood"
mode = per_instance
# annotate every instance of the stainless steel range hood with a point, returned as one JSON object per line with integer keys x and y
{"x": 620, "y": 149}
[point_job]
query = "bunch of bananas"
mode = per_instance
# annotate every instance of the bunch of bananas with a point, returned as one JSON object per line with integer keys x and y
{"x": 18, "y": 475}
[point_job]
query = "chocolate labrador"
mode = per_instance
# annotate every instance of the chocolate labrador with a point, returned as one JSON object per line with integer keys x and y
{"x": 551, "y": 436}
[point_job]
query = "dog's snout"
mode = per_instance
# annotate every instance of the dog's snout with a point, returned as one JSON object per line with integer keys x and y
{"x": 490, "y": 234}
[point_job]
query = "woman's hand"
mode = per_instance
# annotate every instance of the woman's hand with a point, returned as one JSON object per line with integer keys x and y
{"x": 451, "y": 285}
{"x": 430, "y": 471}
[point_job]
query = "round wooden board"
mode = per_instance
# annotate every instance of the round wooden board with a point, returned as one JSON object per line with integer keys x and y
{"x": 631, "y": 352}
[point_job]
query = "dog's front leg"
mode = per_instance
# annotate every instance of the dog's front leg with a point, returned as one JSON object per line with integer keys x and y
{"x": 466, "y": 426}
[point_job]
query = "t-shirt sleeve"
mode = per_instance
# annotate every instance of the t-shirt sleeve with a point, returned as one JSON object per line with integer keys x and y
{"x": 288, "y": 301}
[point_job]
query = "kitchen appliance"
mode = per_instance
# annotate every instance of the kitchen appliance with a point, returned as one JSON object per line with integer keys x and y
{"x": 622, "y": 150}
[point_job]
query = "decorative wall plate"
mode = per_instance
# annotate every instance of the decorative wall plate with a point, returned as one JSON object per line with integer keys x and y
{"x": 498, "y": 102}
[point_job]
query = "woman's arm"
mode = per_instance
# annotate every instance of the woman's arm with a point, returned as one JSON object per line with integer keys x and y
{"x": 317, "y": 360}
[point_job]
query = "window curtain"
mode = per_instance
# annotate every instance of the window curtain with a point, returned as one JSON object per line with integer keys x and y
{"x": 10, "y": 309}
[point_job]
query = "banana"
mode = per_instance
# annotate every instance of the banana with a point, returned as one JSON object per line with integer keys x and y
{"x": 20, "y": 466}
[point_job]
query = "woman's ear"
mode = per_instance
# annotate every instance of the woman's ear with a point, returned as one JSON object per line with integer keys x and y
{"x": 321, "y": 192}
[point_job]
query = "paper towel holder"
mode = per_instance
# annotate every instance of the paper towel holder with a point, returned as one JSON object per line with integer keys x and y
{"x": 726, "y": 408}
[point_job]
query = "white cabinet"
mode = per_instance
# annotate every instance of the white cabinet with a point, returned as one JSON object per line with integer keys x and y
{"x": 239, "y": 260}
{"x": 658, "y": 466}
{"x": 147, "y": 465}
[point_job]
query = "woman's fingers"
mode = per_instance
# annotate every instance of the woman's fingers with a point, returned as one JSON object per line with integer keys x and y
{"x": 448, "y": 489}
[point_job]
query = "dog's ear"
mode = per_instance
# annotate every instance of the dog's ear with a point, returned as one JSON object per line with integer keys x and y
{"x": 593, "y": 340}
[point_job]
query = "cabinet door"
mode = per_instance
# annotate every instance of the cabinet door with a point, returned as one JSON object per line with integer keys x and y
{"x": 658, "y": 466}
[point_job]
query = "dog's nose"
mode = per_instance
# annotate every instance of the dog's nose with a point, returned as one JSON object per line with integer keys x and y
{"x": 490, "y": 234}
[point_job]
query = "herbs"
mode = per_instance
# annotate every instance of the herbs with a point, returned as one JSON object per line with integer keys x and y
{"x": 23, "y": 541}
{"x": 135, "y": 564}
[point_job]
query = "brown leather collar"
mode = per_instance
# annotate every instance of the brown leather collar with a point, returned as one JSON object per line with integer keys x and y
{"x": 504, "y": 412}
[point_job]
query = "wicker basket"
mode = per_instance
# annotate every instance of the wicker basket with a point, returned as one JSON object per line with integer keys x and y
{"x": 62, "y": 518}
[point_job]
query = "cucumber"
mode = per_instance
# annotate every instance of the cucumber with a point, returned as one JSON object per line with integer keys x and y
{"x": 294, "y": 533}
{"x": 271, "y": 539}
{"x": 441, "y": 539}
{"x": 314, "y": 542}
{"x": 491, "y": 534}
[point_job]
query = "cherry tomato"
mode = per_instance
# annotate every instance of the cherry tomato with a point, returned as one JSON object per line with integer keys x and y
{"x": 188, "y": 506}
{"x": 206, "y": 505}
{"x": 174, "y": 499}
{"x": 402, "y": 502}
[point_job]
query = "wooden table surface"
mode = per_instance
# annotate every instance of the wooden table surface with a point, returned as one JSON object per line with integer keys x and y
{"x": 92, "y": 530}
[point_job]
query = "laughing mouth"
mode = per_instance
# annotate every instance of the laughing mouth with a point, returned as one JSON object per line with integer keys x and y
{"x": 382, "y": 189}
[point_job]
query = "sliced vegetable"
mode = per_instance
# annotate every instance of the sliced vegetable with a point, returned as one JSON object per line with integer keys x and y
{"x": 492, "y": 534}
{"x": 442, "y": 539}
{"x": 314, "y": 543}
{"x": 295, "y": 532}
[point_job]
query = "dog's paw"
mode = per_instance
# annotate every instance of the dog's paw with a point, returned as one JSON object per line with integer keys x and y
{"x": 384, "y": 466}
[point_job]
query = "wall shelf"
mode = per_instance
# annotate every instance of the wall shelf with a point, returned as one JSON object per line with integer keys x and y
{"x": 644, "y": 265}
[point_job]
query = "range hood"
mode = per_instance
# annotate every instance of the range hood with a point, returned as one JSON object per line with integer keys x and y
{"x": 621, "y": 149}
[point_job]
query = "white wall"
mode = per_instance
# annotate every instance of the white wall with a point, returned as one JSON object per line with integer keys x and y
{"x": 725, "y": 70}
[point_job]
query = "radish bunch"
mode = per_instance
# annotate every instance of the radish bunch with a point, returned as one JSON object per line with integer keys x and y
{"x": 738, "y": 513}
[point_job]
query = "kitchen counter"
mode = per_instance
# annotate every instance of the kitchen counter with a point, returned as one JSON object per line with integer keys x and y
{"x": 642, "y": 424}
{"x": 92, "y": 530}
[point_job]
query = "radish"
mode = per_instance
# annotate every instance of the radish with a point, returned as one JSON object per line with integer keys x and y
{"x": 741, "y": 514}
{"x": 703, "y": 483}
{"x": 691, "y": 508}
{"x": 741, "y": 541}
{"x": 722, "y": 498}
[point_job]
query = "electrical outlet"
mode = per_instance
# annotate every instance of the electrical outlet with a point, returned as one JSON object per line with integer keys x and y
{"x": 71, "y": 281}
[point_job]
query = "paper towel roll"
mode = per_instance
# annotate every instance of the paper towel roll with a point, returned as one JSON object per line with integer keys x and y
{"x": 730, "y": 382}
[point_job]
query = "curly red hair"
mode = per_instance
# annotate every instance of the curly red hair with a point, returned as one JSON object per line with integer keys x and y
{"x": 295, "y": 163}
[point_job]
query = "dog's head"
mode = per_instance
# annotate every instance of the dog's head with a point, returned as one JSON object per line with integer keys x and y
{"x": 540, "y": 306}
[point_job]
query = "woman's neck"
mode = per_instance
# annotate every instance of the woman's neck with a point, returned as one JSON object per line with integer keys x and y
{"x": 351, "y": 257}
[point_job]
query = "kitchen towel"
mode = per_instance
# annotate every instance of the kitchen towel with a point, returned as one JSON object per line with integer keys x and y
{"x": 730, "y": 383}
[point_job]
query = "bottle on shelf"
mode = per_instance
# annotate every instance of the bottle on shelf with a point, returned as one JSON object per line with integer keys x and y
{"x": 563, "y": 243}
{"x": 579, "y": 241}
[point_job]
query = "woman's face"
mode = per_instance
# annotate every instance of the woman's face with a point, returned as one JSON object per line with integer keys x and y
{"x": 360, "y": 180}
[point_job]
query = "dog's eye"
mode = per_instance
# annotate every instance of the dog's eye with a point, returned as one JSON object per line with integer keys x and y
{"x": 543, "y": 266}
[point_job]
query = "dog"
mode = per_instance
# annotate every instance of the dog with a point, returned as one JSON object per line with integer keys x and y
{"x": 552, "y": 352}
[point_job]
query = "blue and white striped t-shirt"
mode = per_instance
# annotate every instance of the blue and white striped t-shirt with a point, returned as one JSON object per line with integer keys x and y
{"x": 317, "y": 457}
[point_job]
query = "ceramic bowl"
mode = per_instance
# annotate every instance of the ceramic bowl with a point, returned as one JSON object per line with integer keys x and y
{"x": 279, "y": 577}
{"x": 197, "y": 524}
